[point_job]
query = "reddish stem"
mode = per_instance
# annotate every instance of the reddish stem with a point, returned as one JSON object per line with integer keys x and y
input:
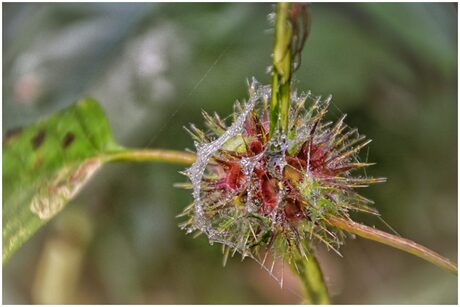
{"x": 394, "y": 241}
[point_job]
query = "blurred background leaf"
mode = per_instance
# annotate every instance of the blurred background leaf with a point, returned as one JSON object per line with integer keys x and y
{"x": 46, "y": 164}
{"x": 391, "y": 67}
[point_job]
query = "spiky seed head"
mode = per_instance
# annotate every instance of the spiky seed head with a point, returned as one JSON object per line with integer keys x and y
{"x": 257, "y": 192}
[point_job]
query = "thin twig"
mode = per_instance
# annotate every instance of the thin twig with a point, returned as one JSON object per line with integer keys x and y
{"x": 394, "y": 241}
{"x": 154, "y": 155}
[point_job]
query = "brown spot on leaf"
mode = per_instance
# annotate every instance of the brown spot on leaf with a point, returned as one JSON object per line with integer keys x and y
{"x": 68, "y": 139}
{"x": 38, "y": 139}
{"x": 10, "y": 134}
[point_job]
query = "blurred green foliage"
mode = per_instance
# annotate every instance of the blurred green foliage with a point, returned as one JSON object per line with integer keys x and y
{"x": 391, "y": 67}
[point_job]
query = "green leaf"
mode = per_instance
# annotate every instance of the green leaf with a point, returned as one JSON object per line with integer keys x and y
{"x": 46, "y": 164}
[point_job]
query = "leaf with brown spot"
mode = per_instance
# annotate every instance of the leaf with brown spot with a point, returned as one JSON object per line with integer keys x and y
{"x": 46, "y": 164}
{"x": 68, "y": 139}
{"x": 38, "y": 139}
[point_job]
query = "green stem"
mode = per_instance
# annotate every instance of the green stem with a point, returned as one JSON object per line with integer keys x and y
{"x": 309, "y": 273}
{"x": 394, "y": 241}
{"x": 282, "y": 70}
{"x": 153, "y": 155}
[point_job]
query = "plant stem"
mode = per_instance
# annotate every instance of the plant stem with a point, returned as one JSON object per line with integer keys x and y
{"x": 185, "y": 158}
{"x": 282, "y": 70}
{"x": 309, "y": 273}
{"x": 394, "y": 241}
{"x": 154, "y": 155}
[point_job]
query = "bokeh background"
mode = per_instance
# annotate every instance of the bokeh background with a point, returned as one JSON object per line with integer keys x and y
{"x": 391, "y": 67}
